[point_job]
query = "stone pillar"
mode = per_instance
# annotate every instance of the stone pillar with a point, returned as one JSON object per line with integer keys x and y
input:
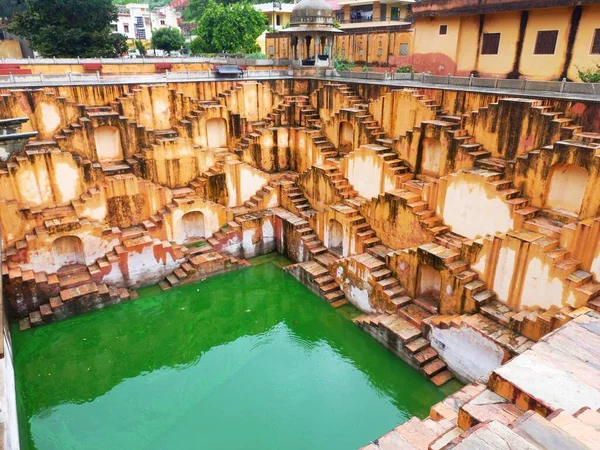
{"x": 347, "y": 11}
{"x": 300, "y": 47}
{"x": 317, "y": 47}
{"x": 376, "y": 11}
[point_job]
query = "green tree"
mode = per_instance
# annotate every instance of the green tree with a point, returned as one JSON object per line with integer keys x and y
{"x": 195, "y": 9}
{"x": 139, "y": 46}
{"x": 168, "y": 39}
{"x": 10, "y": 7}
{"x": 232, "y": 28}
{"x": 69, "y": 28}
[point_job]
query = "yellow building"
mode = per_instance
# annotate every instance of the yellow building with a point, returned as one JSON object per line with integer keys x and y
{"x": 374, "y": 33}
{"x": 549, "y": 40}
{"x": 278, "y": 15}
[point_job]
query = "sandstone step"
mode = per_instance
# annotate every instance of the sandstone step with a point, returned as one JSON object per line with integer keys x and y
{"x": 497, "y": 311}
{"x": 75, "y": 280}
{"x": 403, "y": 329}
{"x": 172, "y": 279}
{"x": 434, "y": 367}
{"x": 413, "y": 434}
{"x": 584, "y": 433}
{"x": 381, "y": 274}
{"x": 399, "y": 302}
{"x": 543, "y": 433}
{"x": 334, "y": 296}
{"x": 71, "y": 294}
{"x": 485, "y": 407}
{"x": 449, "y": 407}
{"x": 24, "y": 324}
{"x": 417, "y": 345}
{"x": 414, "y": 314}
{"x": 424, "y": 356}
{"x": 329, "y": 287}
{"x": 445, "y": 438}
{"x": 589, "y": 416}
{"x": 442, "y": 378}
{"x": 326, "y": 279}
{"x": 428, "y": 303}
{"x": 396, "y": 291}
{"x": 387, "y": 283}
{"x": 338, "y": 303}
{"x": 491, "y": 436}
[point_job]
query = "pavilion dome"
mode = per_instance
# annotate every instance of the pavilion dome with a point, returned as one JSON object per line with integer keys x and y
{"x": 312, "y": 12}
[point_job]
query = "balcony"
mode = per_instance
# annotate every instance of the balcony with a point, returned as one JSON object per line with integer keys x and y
{"x": 368, "y": 22}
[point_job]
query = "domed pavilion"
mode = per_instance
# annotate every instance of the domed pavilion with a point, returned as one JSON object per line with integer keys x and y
{"x": 312, "y": 32}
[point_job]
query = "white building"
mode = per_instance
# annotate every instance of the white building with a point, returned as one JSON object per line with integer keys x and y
{"x": 136, "y": 21}
{"x": 278, "y": 14}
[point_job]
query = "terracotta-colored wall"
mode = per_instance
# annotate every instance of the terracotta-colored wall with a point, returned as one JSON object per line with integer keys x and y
{"x": 458, "y": 52}
{"x": 10, "y": 49}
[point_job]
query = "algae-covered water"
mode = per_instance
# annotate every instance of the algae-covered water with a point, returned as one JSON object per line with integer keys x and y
{"x": 246, "y": 360}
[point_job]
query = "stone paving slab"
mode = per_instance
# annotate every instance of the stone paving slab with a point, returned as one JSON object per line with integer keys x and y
{"x": 562, "y": 371}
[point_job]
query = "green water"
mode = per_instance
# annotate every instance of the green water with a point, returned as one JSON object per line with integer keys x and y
{"x": 245, "y": 360}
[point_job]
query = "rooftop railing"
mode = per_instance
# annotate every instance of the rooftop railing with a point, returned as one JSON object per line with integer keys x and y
{"x": 210, "y": 59}
{"x": 591, "y": 90}
{"x": 564, "y": 86}
{"x": 97, "y": 78}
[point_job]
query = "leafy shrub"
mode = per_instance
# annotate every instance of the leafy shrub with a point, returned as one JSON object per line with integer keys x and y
{"x": 342, "y": 64}
{"x": 366, "y": 69}
{"x": 589, "y": 75}
{"x": 404, "y": 69}
{"x": 256, "y": 55}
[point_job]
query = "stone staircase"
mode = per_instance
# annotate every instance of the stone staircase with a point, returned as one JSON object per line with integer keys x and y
{"x": 476, "y": 418}
{"x": 74, "y": 289}
{"x": 293, "y": 200}
{"x": 401, "y": 335}
{"x": 200, "y": 266}
{"x": 313, "y": 270}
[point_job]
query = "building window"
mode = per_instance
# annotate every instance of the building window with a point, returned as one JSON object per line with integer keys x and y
{"x": 596, "y": 42}
{"x": 545, "y": 43}
{"x": 443, "y": 29}
{"x": 490, "y": 43}
{"x": 404, "y": 49}
{"x": 162, "y": 22}
{"x": 278, "y": 20}
{"x": 271, "y": 50}
{"x": 114, "y": 27}
{"x": 126, "y": 28}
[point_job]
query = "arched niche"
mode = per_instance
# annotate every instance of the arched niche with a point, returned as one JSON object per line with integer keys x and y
{"x": 335, "y": 237}
{"x": 192, "y": 226}
{"x": 216, "y": 132}
{"x": 68, "y": 250}
{"x": 566, "y": 188}
{"x": 429, "y": 283}
{"x": 432, "y": 155}
{"x": 108, "y": 144}
{"x": 346, "y": 137}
